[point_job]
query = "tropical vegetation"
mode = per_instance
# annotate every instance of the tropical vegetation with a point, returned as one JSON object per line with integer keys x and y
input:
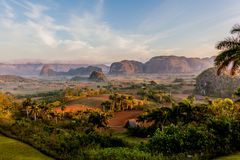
{"x": 230, "y": 52}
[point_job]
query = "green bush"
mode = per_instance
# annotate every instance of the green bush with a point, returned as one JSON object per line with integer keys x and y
{"x": 181, "y": 139}
{"x": 121, "y": 154}
{"x": 57, "y": 142}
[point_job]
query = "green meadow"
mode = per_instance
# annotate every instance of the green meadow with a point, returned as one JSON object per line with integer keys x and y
{"x": 11, "y": 149}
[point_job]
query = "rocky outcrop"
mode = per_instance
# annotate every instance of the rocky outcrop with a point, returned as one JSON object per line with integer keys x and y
{"x": 34, "y": 69}
{"x": 97, "y": 76}
{"x": 48, "y": 71}
{"x": 126, "y": 67}
{"x": 163, "y": 64}
{"x": 208, "y": 83}
{"x": 174, "y": 64}
{"x": 83, "y": 70}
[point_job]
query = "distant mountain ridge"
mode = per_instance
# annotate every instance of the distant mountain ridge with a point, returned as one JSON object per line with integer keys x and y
{"x": 48, "y": 71}
{"x": 34, "y": 69}
{"x": 158, "y": 64}
{"x": 162, "y": 64}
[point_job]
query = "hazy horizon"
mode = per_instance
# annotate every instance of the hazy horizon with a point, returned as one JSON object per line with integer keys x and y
{"x": 42, "y": 61}
{"x": 104, "y": 31}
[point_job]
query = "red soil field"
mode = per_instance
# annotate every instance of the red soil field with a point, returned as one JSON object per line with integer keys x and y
{"x": 116, "y": 123}
{"x": 120, "y": 118}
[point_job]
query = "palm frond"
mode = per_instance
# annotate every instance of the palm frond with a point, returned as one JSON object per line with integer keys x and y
{"x": 228, "y": 43}
{"x": 230, "y": 52}
{"x": 223, "y": 67}
{"x": 225, "y": 56}
{"x": 235, "y": 29}
{"x": 223, "y": 60}
{"x": 235, "y": 67}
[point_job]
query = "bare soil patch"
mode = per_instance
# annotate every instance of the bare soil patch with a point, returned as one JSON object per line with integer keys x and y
{"x": 120, "y": 118}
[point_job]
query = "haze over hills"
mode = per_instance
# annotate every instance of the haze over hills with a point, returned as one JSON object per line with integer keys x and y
{"x": 48, "y": 71}
{"x": 34, "y": 69}
{"x": 158, "y": 64}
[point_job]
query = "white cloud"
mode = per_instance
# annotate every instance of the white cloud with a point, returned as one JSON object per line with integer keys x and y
{"x": 8, "y": 10}
{"x": 89, "y": 36}
{"x": 34, "y": 11}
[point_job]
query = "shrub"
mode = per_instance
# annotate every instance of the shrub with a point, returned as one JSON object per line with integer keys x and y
{"x": 121, "y": 154}
{"x": 180, "y": 139}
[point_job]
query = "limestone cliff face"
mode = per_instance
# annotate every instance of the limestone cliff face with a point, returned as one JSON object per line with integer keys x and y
{"x": 47, "y": 71}
{"x": 174, "y": 64}
{"x": 208, "y": 83}
{"x": 98, "y": 77}
{"x": 162, "y": 64}
{"x": 126, "y": 67}
{"x": 166, "y": 64}
{"x": 83, "y": 70}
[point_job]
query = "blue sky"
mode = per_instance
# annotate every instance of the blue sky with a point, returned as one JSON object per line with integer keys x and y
{"x": 103, "y": 31}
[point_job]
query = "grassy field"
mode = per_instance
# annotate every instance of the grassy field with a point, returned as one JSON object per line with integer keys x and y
{"x": 231, "y": 157}
{"x": 11, "y": 149}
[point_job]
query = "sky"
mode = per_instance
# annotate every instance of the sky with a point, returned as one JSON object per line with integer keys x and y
{"x": 103, "y": 31}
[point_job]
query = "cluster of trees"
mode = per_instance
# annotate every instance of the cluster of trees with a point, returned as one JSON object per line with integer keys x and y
{"x": 72, "y": 93}
{"x": 40, "y": 110}
{"x": 118, "y": 102}
{"x": 50, "y": 94}
{"x": 158, "y": 96}
{"x": 58, "y": 134}
{"x": 208, "y": 129}
{"x": 7, "y": 105}
{"x": 37, "y": 109}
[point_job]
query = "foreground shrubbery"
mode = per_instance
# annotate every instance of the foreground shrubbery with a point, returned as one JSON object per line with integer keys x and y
{"x": 208, "y": 130}
{"x": 57, "y": 142}
{"x": 187, "y": 129}
{"x": 122, "y": 153}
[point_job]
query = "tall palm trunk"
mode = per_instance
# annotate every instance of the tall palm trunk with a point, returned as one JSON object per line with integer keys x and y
{"x": 27, "y": 113}
{"x": 35, "y": 116}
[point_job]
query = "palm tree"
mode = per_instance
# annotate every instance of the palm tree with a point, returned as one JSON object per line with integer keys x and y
{"x": 48, "y": 110}
{"x": 106, "y": 105}
{"x": 26, "y": 104}
{"x": 55, "y": 115}
{"x": 122, "y": 99}
{"x": 98, "y": 119}
{"x": 35, "y": 109}
{"x": 230, "y": 52}
{"x": 158, "y": 116}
